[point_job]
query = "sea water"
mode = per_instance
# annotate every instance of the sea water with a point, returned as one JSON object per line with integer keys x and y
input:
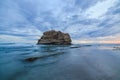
{"x": 59, "y": 62}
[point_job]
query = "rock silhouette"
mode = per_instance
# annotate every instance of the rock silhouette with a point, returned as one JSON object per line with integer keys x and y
{"x": 55, "y": 37}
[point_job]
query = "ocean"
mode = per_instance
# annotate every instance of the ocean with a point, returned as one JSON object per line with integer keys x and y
{"x": 59, "y": 62}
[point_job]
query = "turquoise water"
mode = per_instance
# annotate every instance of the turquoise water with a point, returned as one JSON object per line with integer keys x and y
{"x": 74, "y": 62}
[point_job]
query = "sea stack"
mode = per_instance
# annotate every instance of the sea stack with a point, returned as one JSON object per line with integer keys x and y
{"x": 55, "y": 38}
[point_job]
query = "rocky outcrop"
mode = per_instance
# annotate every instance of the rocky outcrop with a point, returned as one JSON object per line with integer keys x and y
{"x": 55, "y": 37}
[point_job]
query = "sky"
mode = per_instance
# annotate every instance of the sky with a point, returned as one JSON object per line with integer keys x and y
{"x": 87, "y": 21}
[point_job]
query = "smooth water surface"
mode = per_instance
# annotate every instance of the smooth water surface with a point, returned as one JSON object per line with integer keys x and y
{"x": 74, "y": 62}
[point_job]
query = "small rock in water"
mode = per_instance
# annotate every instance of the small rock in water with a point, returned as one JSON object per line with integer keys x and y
{"x": 116, "y": 48}
{"x": 31, "y": 59}
{"x": 74, "y": 47}
{"x": 55, "y": 37}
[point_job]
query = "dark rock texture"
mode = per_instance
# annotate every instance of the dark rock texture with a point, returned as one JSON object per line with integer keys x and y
{"x": 55, "y": 37}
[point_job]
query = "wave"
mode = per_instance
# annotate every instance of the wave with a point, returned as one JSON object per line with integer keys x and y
{"x": 7, "y": 43}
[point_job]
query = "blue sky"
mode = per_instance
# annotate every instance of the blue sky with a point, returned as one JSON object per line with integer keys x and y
{"x": 85, "y": 20}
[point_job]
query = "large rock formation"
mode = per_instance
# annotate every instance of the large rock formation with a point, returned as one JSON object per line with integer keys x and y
{"x": 55, "y": 37}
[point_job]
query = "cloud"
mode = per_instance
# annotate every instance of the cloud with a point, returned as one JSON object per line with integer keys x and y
{"x": 15, "y": 39}
{"x": 107, "y": 39}
{"x": 100, "y": 8}
{"x": 83, "y": 19}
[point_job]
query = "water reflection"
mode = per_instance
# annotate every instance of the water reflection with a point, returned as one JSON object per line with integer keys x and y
{"x": 52, "y": 62}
